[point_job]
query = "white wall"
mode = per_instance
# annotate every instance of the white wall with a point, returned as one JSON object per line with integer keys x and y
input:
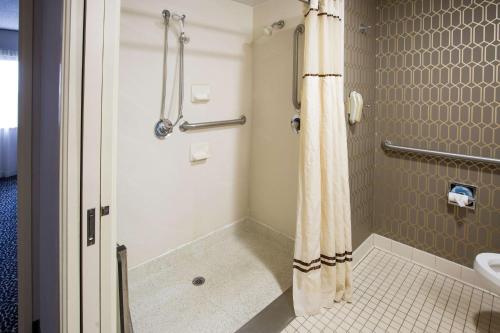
{"x": 165, "y": 201}
{"x": 274, "y": 155}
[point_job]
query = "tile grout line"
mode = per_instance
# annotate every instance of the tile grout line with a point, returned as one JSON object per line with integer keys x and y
{"x": 365, "y": 276}
{"x": 373, "y": 281}
{"x": 468, "y": 309}
{"x": 392, "y": 319}
{"x": 427, "y": 295}
{"x": 388, "y": 288}
{"x": 479, "y": 314}
{"x": 388, "y": 303}
{"x": 437, "y": 301}
{"x": 396, "y": 292}
{"x": 458, "y": 303}
{"x": 413, "y": 301}
{"x": 381, "y": 256}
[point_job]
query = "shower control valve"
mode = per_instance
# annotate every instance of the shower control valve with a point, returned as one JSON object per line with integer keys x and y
{"x": 163, "y": 128}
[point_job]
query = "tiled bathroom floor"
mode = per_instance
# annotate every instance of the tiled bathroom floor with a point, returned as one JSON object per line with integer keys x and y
{"x": 393, "y": 294}
{"x": 245, "y": 266}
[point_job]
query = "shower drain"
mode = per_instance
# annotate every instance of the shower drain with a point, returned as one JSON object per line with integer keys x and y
{"x": 199, "y": 280}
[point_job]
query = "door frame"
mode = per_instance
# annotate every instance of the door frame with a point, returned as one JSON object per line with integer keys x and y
{"x": 70, "y": 143}
{"x": 71, "y": 150}
{"x": 69, "y": 164}
{"x": 24, "y": 169}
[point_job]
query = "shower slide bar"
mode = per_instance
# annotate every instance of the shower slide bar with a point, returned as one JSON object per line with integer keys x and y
{"x": 186, "y": 126}
{"x": 389, "y": 146}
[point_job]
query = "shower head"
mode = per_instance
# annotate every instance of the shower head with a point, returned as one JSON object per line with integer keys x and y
{"x": 278, "y": 25}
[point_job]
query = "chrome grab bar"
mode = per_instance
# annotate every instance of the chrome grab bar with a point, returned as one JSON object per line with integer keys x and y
{"x": 123, "y": 299}
{"x": 186, "y": 126}
{"x": 295, "y": 80}
{"x": 388, "y": 145}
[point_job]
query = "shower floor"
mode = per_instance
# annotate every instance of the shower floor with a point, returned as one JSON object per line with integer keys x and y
{"x": 392, "y": 294}
{"x": 245, "y": 266}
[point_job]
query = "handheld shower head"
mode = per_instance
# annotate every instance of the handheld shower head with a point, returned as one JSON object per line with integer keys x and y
{"x": 181, "y": 18}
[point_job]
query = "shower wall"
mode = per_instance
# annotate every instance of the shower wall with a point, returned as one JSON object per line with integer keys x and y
{"x": 274, "y": 155}
{"x": 437, "y": 88}
{"x": 360, "y": 76}
{"x": 164, "y": 200}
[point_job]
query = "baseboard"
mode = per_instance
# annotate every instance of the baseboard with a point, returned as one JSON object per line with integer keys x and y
{"x": 440, "y": 265}
{"x": 362, "y": 251}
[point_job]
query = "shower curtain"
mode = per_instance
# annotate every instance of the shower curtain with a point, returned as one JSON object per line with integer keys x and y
{"x": 323, "y": 252}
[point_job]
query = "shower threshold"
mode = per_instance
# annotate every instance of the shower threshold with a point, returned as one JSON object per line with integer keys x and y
{"x": 245, "y": 268}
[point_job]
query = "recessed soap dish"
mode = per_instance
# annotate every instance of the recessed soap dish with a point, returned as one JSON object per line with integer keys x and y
{"x": 469, "y": 190}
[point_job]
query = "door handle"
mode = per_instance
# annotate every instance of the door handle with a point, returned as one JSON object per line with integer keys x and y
{"x": 90, "y": 227}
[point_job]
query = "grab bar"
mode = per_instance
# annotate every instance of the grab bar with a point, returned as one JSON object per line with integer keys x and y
{"x": 124, "y": 308}
{"x": 388, "y": 145}
{"x": 295, "y": 80}
{"x": 186, "y": 126}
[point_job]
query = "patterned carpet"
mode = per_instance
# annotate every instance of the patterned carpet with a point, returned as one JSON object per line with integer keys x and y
{"x": 8, "y": 255}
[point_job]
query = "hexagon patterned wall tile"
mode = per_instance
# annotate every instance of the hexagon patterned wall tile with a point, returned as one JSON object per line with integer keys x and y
{"x": 360, "y": 76}
{"x": 437, "y": 88}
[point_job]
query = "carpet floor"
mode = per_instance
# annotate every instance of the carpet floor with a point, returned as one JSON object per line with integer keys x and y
{"x": 8, "y": 255}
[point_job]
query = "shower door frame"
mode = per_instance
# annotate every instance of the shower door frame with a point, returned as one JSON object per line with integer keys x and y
{"x": 98, "y": 301}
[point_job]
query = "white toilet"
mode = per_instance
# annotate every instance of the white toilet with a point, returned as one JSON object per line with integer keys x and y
{"x": 487, "y": 266}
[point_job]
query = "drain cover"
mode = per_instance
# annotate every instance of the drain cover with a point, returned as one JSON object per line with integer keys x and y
{"x": 199, "y": 280}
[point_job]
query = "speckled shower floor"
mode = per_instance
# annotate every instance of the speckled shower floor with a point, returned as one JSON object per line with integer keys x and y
{"x": 246, "y": 267}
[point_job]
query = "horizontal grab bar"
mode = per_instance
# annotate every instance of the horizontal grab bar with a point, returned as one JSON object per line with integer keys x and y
{"x": 388, "y": 145}
{"x": 186, "y": 126}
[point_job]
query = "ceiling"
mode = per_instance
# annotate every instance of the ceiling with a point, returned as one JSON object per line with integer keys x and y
{"x": 247, "y": 2}
{"x": 9, "y": 14}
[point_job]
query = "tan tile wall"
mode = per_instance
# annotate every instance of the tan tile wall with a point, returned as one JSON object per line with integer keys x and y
{"x": 360, "y": 76}
{"x": 437, "y": 87}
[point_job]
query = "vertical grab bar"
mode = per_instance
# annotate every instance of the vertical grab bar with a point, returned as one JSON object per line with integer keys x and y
{"x": 295, "y": 80}
{"x": 125, "y": 317}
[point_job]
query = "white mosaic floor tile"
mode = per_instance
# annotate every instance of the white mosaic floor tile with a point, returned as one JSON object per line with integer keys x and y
{"x": 393, "y": 294}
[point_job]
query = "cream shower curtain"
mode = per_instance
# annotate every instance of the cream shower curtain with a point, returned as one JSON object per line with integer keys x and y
{"x": 323, "y": 252}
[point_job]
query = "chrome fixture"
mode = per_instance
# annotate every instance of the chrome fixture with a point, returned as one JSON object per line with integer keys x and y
{"x": 164, "y": 127}
{"x": 388, "y": 145}
{"x": 278, "y": 25}
{"x": 363, "y": 28}
{"x": 123, "y": 295}
{"x": 295, "y": 78}
{"x": 295, "y": 124}
{"x": 186, "y": 126}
